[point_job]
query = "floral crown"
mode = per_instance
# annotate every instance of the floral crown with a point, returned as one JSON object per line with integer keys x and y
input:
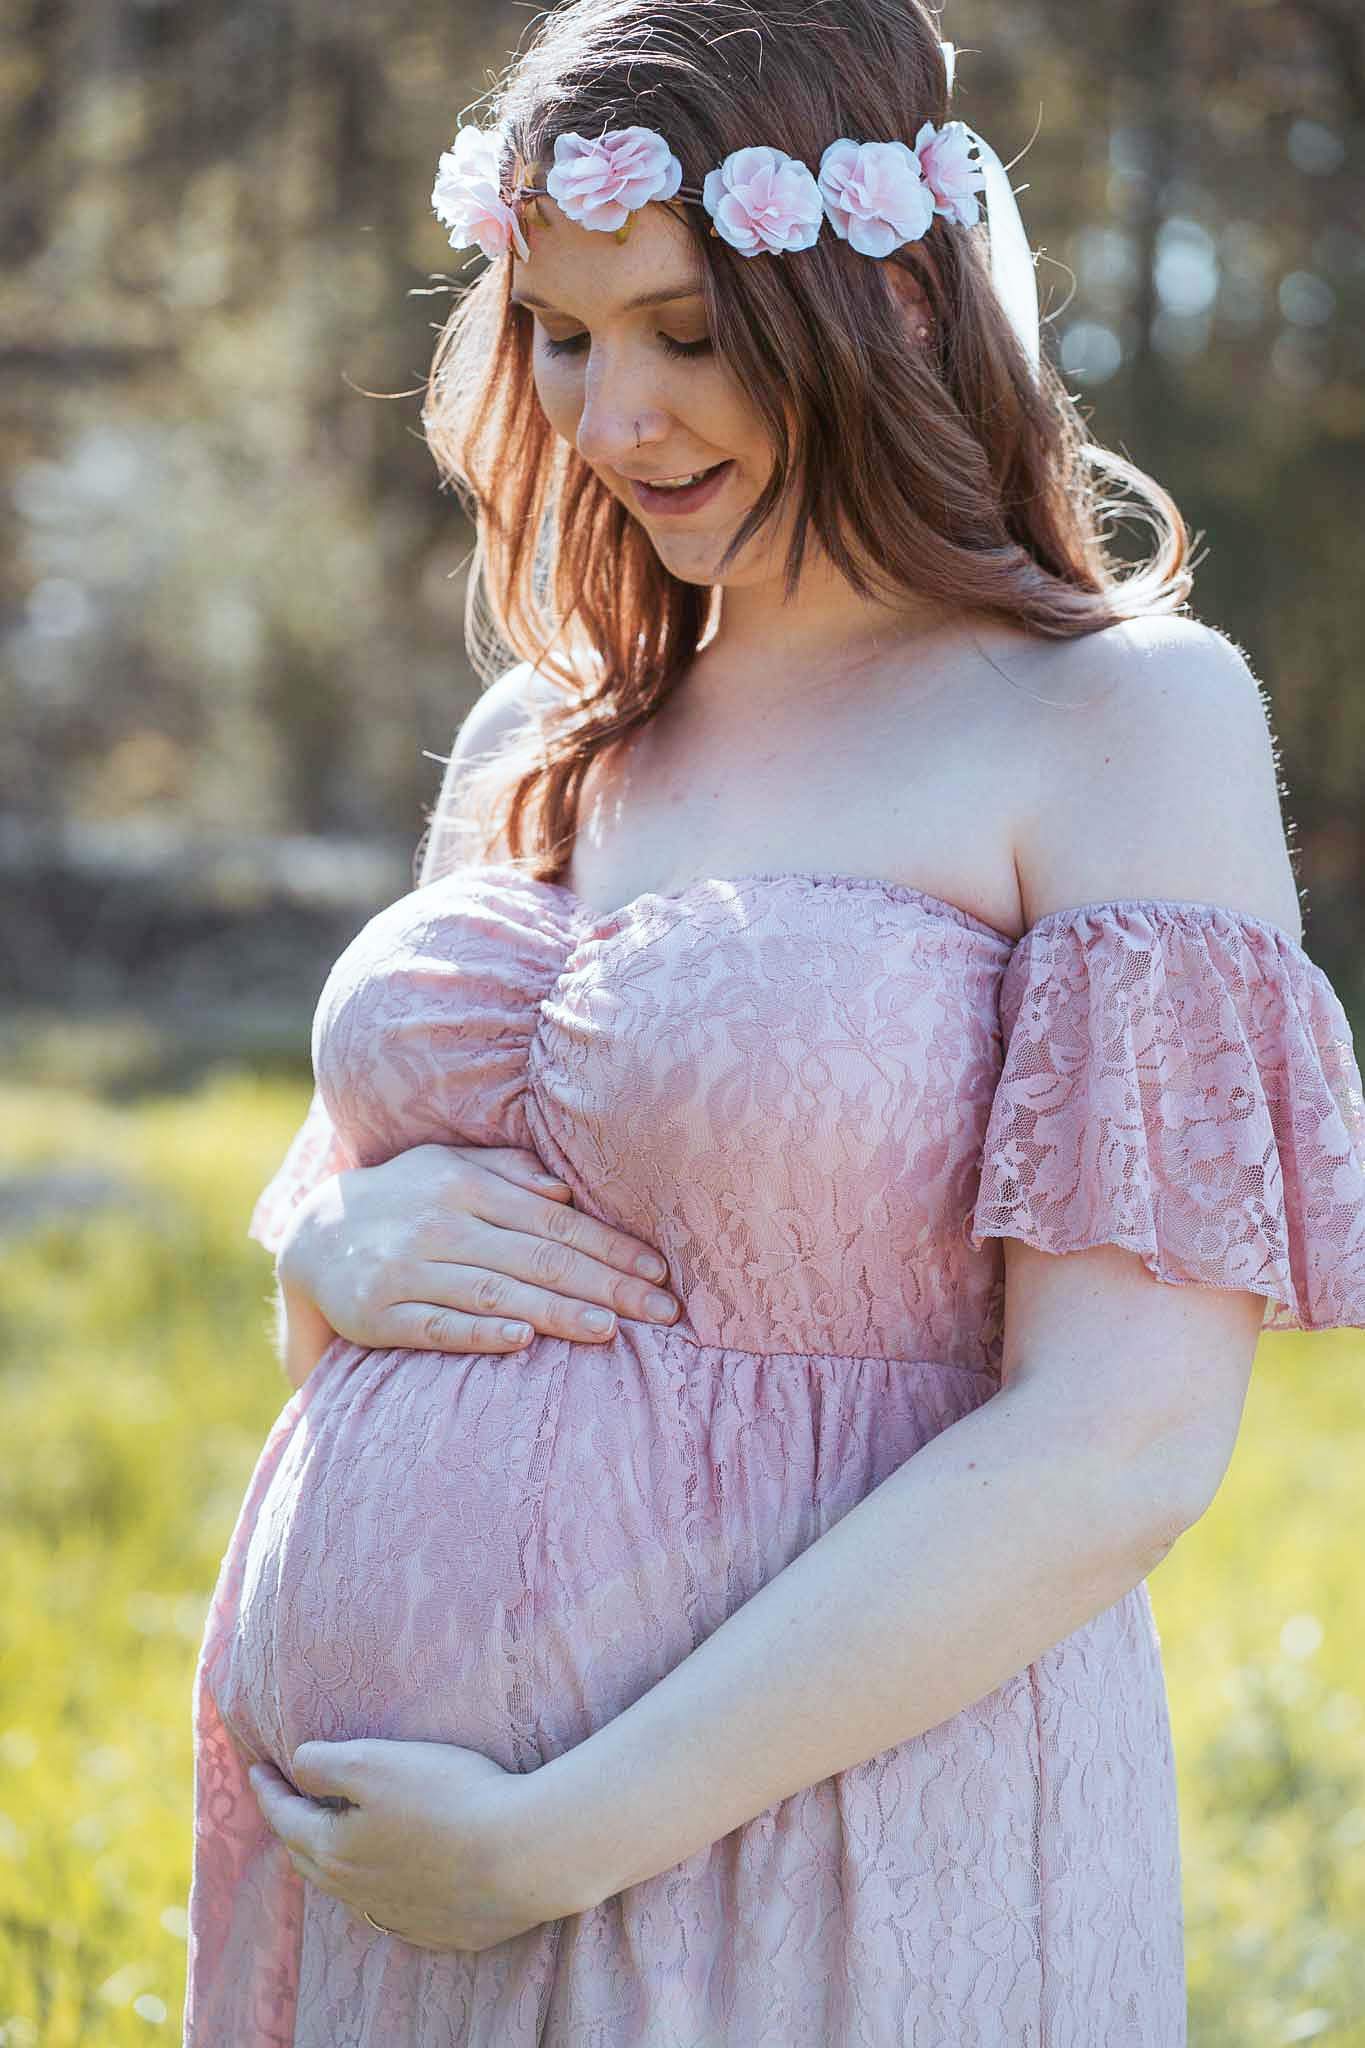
{"x": 875, "y": 195}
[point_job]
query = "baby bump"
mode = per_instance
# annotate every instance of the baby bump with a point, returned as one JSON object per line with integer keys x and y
{"x": 381, "y": 1572}
{"x": 504, "y": 1551}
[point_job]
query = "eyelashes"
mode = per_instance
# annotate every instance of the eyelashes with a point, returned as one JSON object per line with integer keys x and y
{"x": 573, "y": 346}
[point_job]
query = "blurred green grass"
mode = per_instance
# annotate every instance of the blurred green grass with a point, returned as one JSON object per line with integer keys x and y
{"x": 138, "y": 1386}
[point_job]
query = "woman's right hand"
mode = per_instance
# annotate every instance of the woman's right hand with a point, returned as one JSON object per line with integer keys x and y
{"x": 437, "y": 1248}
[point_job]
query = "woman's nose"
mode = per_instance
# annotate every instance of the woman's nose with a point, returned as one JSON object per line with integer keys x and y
{"x": 620, "y": 416}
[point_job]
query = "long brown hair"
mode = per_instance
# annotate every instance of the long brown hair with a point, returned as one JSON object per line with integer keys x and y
{"x": 944, "y": 471}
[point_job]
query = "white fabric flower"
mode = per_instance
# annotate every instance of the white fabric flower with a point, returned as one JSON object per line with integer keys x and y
{"x": 763, "y": 201}
{"x": 949, "y": 172}
{"x": 875, "y": 194}
{"x": 600, "y": 182}
{"x": 466, "y": 197}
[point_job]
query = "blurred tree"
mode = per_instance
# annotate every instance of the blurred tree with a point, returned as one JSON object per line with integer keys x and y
{"x": 231, "y": 593}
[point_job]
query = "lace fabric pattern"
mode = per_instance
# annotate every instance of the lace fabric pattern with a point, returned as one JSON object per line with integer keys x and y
{"x": 826, "y": 1100}
{"x": 1181, "y": 1081}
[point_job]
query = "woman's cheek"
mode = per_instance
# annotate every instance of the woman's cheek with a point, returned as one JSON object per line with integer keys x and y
{"x": 559, "y": 401}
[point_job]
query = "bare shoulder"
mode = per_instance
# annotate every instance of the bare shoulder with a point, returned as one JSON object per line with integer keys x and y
{"x": 503, "y": 714}
{"x": 1154, "y": 775}
{"x": 512, "y": 704}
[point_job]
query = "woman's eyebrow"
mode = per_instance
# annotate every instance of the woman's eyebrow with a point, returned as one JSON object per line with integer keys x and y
{"x": 655, "y": 298}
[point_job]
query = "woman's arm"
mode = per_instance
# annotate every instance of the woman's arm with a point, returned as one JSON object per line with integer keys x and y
{"x": 585, "y": 1260}
{"x": 302, "y": 1332}
{"x": 1003, "y": 1535}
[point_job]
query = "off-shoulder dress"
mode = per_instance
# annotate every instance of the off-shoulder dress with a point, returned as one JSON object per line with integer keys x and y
{"x": 826, "y": 1099}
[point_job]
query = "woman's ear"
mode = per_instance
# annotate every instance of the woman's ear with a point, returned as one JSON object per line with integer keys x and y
{"x": 914, "y": 301}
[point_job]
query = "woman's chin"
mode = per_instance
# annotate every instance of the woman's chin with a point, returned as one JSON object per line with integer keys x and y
{"x": 693, "y": 557}
{"x": 688, "y": 571}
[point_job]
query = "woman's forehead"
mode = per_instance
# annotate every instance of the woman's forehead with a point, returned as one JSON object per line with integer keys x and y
{"x": 570, "y": 264}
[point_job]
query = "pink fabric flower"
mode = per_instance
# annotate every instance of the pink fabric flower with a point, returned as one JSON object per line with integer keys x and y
{"x": 761, "y": 199}
{"x": 949, "y": 173}
{"x": 875, "y": 195}
{"x": 466, "y": 197}
{"x": 601, "y": 182}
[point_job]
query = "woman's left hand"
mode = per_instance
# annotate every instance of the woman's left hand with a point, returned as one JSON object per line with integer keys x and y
{"x": 433, "y": 1841}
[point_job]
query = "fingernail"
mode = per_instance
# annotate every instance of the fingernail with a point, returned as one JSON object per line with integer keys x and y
{"x": 597, "y": 1318}
{"x": 650, "y": 1266}
{"x": 516, "y": 1332}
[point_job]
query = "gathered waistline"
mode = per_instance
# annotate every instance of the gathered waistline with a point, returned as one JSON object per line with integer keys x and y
{"x": 813, "y": 1356}
{"x": 671, "y": 1334}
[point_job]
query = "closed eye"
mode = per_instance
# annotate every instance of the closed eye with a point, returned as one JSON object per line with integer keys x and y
{"x": 572, "y": 345}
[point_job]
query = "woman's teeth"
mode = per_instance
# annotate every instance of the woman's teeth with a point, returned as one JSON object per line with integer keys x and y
{"x": 695, "y": 491}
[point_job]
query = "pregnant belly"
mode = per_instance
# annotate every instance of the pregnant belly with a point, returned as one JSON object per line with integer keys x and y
{"x": 503, "y": 1552}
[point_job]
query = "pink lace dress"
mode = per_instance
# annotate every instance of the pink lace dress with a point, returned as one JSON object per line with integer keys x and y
{"x": 826, "y": 1099}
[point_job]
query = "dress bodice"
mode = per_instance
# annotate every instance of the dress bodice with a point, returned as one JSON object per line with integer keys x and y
{"x": 826, "y": 1098}
{"x": 781, "y": 1082}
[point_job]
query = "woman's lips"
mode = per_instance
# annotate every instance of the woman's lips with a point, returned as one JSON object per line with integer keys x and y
{"x": 690, "y": 498}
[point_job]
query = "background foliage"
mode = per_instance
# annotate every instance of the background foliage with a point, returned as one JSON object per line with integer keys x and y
{"x": 233, "y": 591}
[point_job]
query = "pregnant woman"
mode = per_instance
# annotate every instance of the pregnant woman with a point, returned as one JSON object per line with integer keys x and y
{"x": 862, "y": 894}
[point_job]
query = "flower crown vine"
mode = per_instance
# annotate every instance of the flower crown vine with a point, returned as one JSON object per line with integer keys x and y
{"x": 875, "y": 195}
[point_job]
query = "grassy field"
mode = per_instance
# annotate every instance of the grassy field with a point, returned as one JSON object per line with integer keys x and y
{"x": 138, "y": 1384}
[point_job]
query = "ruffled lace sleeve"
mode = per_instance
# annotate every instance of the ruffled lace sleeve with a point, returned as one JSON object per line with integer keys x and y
{"x": 1180, "y": 1079}
{"x": 315, "y": 1151}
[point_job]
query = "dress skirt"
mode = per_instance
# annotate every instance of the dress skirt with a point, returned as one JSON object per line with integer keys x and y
{"x": 503, "y": 1552}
